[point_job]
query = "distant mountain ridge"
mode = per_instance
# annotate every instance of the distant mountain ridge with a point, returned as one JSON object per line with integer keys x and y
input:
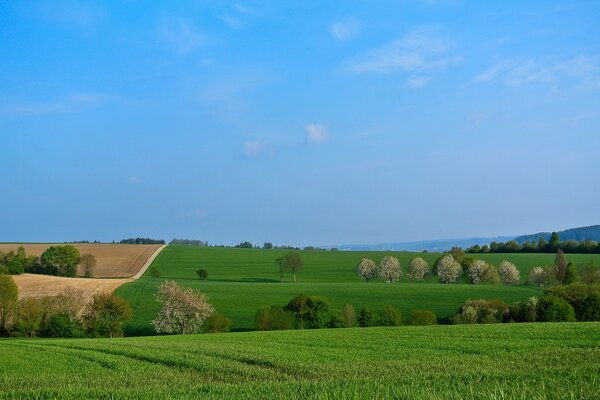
{"x": 579, "y": 234}
{"x": 421, "y": 245}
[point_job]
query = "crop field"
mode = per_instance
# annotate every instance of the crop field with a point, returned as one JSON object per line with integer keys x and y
{"x": 502, "y": 361}
{"x": 242, "y": 280}
{"x": 113, "y": 260}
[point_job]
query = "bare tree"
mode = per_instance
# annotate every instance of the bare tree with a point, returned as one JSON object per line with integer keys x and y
{"x": 88, "y": 264}
{"x": 183, "y": 309}
{"x": 367, "y": 269}
{"x": 560, "y": 266}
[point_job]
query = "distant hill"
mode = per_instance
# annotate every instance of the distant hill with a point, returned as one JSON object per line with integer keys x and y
{"x": 429, "y": 245}
{"x": 579, "y": 234}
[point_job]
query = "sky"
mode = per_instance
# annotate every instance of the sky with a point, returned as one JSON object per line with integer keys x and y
{"x": 298, "y": 122}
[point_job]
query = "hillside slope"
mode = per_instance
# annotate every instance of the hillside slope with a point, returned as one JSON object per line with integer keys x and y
{"x": 580, "y": 234}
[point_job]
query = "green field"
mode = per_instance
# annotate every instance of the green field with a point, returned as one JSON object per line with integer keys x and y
{"x": 502, "y": 361}
{"x": 241, "y": 280}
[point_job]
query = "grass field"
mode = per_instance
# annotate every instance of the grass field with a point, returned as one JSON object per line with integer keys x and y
{"x": 502, "y": 361}
{"x": 241, "y": 280}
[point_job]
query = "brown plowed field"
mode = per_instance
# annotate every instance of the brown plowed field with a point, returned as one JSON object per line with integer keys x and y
{"x": 114, "y": 260}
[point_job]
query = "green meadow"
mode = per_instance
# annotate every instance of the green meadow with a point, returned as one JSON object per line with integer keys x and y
{"x": 500, "y": 361}
{"x": 242, "y": 280}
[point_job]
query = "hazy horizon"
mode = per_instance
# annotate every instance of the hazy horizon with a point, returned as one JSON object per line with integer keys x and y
{"x": 298, "y": 123}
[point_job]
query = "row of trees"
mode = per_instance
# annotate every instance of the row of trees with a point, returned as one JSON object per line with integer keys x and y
{"x": 559, "y": 304}
{"x": 68, "y": 314}
{"x": 55, "y": 260}
{"x": 315, "y": 312}
{"x": 541, "y": 246}
{"x": 141, "y": 240}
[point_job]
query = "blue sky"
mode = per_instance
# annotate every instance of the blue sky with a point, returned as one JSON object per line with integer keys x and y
{"x": 298, "y": 122}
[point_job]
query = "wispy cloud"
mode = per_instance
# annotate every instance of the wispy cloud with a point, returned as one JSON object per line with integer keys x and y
{"x": 345, "y": 29}
{"x": 252, "y": 148}
{"x": 243, "y": 9}
{"x": 70, "y": 103}
{"x": 232, "y": 22}
{"x": 316, "y": 133}
{"x": 180, "y": 34}
{"x": 417, "y": 82}
{"x": 414, "y": 51}
{"x": 584, "y": 71}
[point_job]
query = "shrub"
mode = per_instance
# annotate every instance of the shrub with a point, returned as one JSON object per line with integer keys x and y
{"x": 555, "y": 309}
{"x": 576, "y": 295}
{"x": 309, "y": 311}
{"x": 216, "y": 323}
{"x": 62, "y": 326}
{"x": 202, "y": 274}
{"x": 105, "y": 315}
{"x": 273, "y": 318}
{"x": 29, "y": 317}
{"x": 366, "y": 318}
{"x": 448, "y": 270}
{"x": 571, "y": 275}
{"x": 418, "y": 269}
{"x": 539, "y": 276}
{"x": 423, "y": 317}
{"x": 509, "y": 273}
{"x": 490, "y": 276}
{"x": 337, "y": 320}
{"x": 481, "y": 311}
{"x": 524, "y": 311}
{"x": 390, "y": 269}
{"x": 349, "y": 315}
{"x": 9, "y": 294}
{"x": 389, "y": 316}
{"x": 591, "y": 308}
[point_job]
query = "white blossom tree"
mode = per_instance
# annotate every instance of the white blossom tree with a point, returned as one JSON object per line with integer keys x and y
{"x": 367, "y": 269}
{"x": 509, "y": 273}
{"x": 448, "y": 270}
{"x": 537, "y": 276}
{"x": 417, "y": 269}
{"x": 390, "y": 269}
{"x": 184, "y": 310}
{"x": 476, "y": 271}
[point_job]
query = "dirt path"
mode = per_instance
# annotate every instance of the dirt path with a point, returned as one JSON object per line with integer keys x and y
{"x": 147, "y": 265}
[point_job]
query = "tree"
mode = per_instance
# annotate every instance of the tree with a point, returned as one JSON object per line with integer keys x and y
{"x": 490, "y": 276}
{"x": 449, "y": 270}
{"x": 589, "y": 272}
{"x": 293, "y": 262}
{"x": 309, "y": 311}
{"x": 509, "y": 273}
{"x": 273, "y": 318}
{"x": 476, "y": 271}
{"x": 560, "y": 266}
{"x": 367, "y": 269}
{"x": 29, "y": 317}
{"x": 555, "y": 309}
{"x": 62, "y": 326}
{"x": 418, "y": 269}
{"x": 366, "y": 318}
{"x": 268, "y": 246}
{"x": 349, "y": 315}
{"x": 538, "y": 276}
{"x": 571, "y": 275}
{"x": 423, "y": 317}
{"x": 202, "y": 274}
{"x": 337, "y": 319}
{"x": 88, "y": 264}
{"x": 281, "y": 266}
{"x": 554, "y": 241}
{"x": 217, "y": 323}
{"x": 183, "y": 309}
{"x": 9, "y": 295}
{"x": 389, "y": 316}
{"x": 16, "y": 262}
{"x": 390, "y": 269}
{"x": 105, "y": 315}
{"x": 60, "y": 260}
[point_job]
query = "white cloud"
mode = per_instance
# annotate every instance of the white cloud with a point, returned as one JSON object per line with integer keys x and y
{"x": 345, "y": 29}
{"x": 180, "y": 34}
{"x": 412, "y": 52}
{"x": 417, "y": 82}
{"x": 243, "y": 9}
{"x": 316, "y": 133}
{"x": 252, "y": 148}
{"x": 584, "y": 71}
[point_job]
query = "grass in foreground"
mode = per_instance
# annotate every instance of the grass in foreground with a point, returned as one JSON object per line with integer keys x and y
{"x": 508, "y": 361}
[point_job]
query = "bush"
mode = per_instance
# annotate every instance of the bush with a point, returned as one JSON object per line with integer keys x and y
{"x": 29, "y": 318}
{"x": 337, "y": 319}
{"x": 555, "y": 309}
{"x": 524, "y": 311}
{"x": 389, "y": 316}
{"x": 349, "y": 315}
{"x": 423, "y": 317}
{"x": 571, "y": 275}
{"x": 202, "y": 274}
{"x": 490, "y": 276}
{"x": 105, "y": 315}
{"x": 482, "y": 312}
{"x": 309, "y": 311}
{"x": 366, "y": 318}
{"x": 9, "y": 295}
{"x": 62, "y": 326}
{"x": 273, "y": 318}
{"x": 576, "y": 295}
{"x": 591, "y": 308}
{"x": 216, "y": 323}
{"x": 539, "y": 276}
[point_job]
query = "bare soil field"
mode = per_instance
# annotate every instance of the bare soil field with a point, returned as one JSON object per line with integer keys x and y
{"x": 32, "y": 285}
{"x": 114, "y": 260}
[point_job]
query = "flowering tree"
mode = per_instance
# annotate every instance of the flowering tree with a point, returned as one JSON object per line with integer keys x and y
{"x": 476, "y": 271}
{"x": 448, "y": 270}
{"x": 367, "y": 269}
{"x": 417, "y": 269}
{"x": 509, "y": 273}
{"x": 390, "y": 269}
{"x": 537, "y": 276}
{"x": 183, "y": 309}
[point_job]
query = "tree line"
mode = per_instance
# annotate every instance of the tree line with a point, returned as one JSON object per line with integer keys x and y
{"x": 55, "y": 260}
{"x": 140, "y": 240}
{"x": 539, "y": 246}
